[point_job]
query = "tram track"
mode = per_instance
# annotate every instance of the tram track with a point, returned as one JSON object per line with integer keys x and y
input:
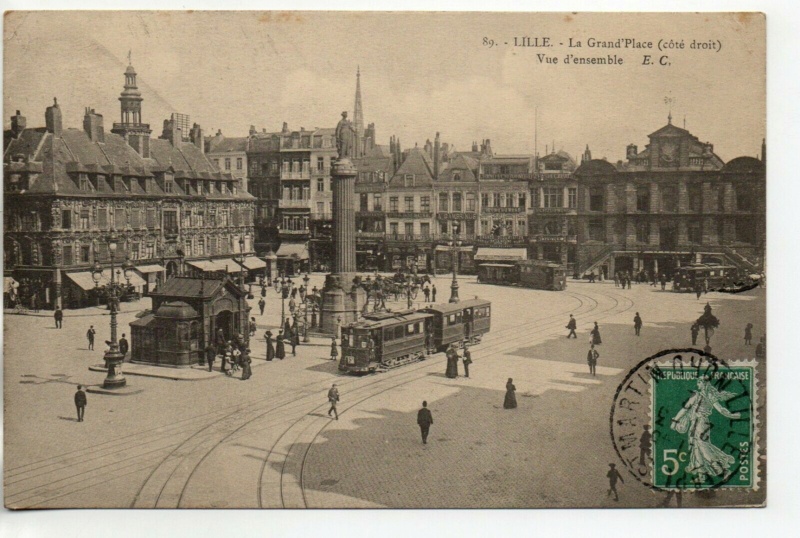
{"x": 225, "y": 424}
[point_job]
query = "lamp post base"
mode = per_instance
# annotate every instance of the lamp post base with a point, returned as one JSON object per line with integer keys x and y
{"x": 114, "y": 378}
{"x": 454, "y": 292}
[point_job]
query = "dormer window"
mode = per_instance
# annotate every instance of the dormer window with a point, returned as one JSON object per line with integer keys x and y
{"x": 219, "y": 186}
{"x": 457, "y": 176}
{"x": 119, "y": 184}
{"x": 83, "y": 182}
{"x": 408, "y": 180}
{"x": 169, "y": 184}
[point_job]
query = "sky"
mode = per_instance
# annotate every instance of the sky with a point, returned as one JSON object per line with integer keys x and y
{"x": 420, "y": 73}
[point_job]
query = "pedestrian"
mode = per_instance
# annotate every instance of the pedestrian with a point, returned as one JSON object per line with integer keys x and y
{"x": 270, "y": 347}
{"x": 295, "y": 339}
{"x": 467, "y": 360}
{"x": 433, "y": 293}
{"x": 596, "y": 340}
{"x": 510, "y": 401}
{"x": 591, "y": 277}
{"x": 628, "y": 279}
{"x": 253, "y": 326}
{"x": 698, "y": 290}
{"x": 58, "y": 315}
{"x": 613, "y": 475}
{"x": 761, "y": 348}
{"x": 654, "y": 279}
{"x": 333, "y": 398}
{"x": 211, "y": 355}
{"x": 263, "y": 291}
{"x": 591, "y": 358}
{"x": 90, "y": 336}
{"x": 663, "y": 282}
{"x": 123, "y": 346}
{"x": 695, "y": 331}
{"x": 452, "y": 362}
{"x": 220, "y": 339}
{"x": 294, "y": 292}
{"x": 334, "y": 349}
{"x": 236, "y": 359}
{"x": 262, "y": 304}
{"x": 80, "y": 402}
{"x": 292, "y": 305}
{"x": 572, "y": 325}
{"x": 245, "y": 360}
{"x": 287, "y": 326}
{"x": 424, "y": 420}
{"x": 705, "y": 285}
{"x": 616, "y": 280}
{"x": 280, "y": 350}
{"x": 748, "y": 334}
{"x": 637, "y": 323}
{"x": 427, "y": 292}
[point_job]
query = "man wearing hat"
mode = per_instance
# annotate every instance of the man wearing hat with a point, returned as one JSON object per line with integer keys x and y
{"x": 333, "y": 398}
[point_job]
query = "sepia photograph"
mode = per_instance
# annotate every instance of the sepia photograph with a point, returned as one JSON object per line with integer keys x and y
{"x": 384, "y": 260}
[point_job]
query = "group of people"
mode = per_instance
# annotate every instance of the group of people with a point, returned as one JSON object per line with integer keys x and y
{"x": 122, "y": 344}
{"x": 596, "y": 339}
{"x": 452, "y": 361}
{"x": 233, "y": 354}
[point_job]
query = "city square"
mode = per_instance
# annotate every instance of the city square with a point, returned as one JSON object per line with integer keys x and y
{"x": 268, "y": 442}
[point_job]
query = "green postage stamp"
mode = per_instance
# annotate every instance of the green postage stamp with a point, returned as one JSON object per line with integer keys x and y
{"x": 686, "y": 420}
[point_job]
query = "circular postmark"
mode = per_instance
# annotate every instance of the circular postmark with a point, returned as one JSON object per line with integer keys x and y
{"x": 683, "y": 420}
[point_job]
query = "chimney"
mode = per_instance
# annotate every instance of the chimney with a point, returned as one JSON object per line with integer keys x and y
{"x": 253, "y": 130}
{"x": 93, "y": 125}
{"x": 171, "y": 132}
{"x": 196, "y": 136}
{"x": 436, "y": 148}
{"x": 488, "y": 147}
{"x": 52, "y": 119}
{"x": 474, "y": 147}
{"x": 18, "y": 124}
{"x": 285, "y": 128}
{"x": 632, "y": 151}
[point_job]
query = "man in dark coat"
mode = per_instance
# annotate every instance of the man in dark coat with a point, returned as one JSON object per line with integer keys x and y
{"x": 90, "y": 336}
{"x": 467, "y": 360}
{"x": 637, "y": 323}
{"x": 211, "y": 355}
{"x": 424, "y": 419}
{"x": 572, "y": 325}
{"x": 591, "y": 359}
{"x": 123, "y": 346}
{"x": 333, "y": 399}
{"x": 80, "y": 402}
{"x": 270, "y": 347}
{"x": 58, "y": 315}
{"x": 280, "y": 350}
{"x": 613, "y": 475}
{"x": 433, "y": 293}
{"x": 261, "y": 305}
{"x": 695, "y": 331}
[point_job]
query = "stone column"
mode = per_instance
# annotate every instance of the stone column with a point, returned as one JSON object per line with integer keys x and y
{"x": 341, "y": 300}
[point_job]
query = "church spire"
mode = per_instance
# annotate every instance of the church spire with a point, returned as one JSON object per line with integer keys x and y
{"x": 358, "y": 116}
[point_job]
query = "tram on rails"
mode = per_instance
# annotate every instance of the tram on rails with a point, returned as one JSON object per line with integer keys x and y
{"x": 705, "y": 275}
{"x": 384, "y": 340}
{"x": 535, "y": 274}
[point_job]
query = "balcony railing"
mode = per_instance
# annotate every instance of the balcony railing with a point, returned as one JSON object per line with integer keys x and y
{"x": 321, "y": 171}
{"x": 293, "y": 233}
{"x": 552, "y": 175}
{"x": 408, "y": 237}
{"x": 305, "y": 203}
{"x": 370, "y": 235}
{"x": 555, "y": 238}
{"x": 375, "y": 213}
{"x": 501, "y": 241}
{"x": 456, "y": 215}
{"x": 523, "y": 176}
{"x": 409, "y": 214}
{"x": 304, "y": 174}
{"x": 553, "y": 210}
{"x": 504, "y": 209}
{"x": 321, "y": 215}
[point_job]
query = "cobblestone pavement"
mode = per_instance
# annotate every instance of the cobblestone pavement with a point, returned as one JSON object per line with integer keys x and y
{"x": 269, "y": 442}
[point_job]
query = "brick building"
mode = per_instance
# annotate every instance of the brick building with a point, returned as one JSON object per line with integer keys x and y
{"x": 67, "y": 189}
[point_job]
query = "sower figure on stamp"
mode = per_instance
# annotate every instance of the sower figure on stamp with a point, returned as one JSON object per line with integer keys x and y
{"x": 424, "y": 420}
{"x": 572, "y": 325}
{"x": 613, "y": 475}
{"x": 80, "y": 402}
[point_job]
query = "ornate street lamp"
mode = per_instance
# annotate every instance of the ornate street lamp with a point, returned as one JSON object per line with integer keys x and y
{"x": 284, "y": 295}
{"x": 245, "y": 330}
{"x": 709, "y": 322}
{"x": 455, "y": 244}
{"x": 304, "y": 290}
{"x": 113, "y": 358}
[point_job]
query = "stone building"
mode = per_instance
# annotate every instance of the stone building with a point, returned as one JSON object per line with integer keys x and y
{"x": 675, "y": 202}
{"x": 229, "y": 155}
{"x": 67, "y": 189}
{"x": 375, "y": 169}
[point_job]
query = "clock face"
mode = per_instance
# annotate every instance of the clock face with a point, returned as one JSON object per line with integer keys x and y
{"x": 669, "y": 152}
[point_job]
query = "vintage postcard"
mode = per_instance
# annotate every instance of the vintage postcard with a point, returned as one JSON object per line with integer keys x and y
{"x": 384, "y": 260}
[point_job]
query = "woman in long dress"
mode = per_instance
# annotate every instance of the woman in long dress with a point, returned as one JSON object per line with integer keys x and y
{"x": 452, "y": 363}
{"x": 694, "y": 418}
{"x": 270, "y": 347}
{"x": 280, "y": 352}
{"x": 245, "y": 360}
{"x": 596, "y": 335}
{"x": 511, "y": 398}
{"x": 334, "y": 349}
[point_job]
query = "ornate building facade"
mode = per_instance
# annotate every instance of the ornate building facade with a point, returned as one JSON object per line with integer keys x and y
{"x": 67, "y": 190}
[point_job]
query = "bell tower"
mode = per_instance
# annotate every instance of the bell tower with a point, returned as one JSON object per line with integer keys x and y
{"x": 130, "y": 127}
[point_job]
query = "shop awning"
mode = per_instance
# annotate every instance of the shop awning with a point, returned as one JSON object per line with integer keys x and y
{"x": 205, "y": 265}
{"x": 442, "y": 248}
{"x": 496, "y": 265}
{"x": 85, "y": 281}
{"x": 154, "y": 268}
{"x": 228, "y": 265}
{"x": 298, "y": 251}
{"x": 501, "y": 254}
{"x": 251, "y": 262}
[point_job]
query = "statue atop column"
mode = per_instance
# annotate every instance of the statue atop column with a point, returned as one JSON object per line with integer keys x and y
{"x": 345, "y": 137}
